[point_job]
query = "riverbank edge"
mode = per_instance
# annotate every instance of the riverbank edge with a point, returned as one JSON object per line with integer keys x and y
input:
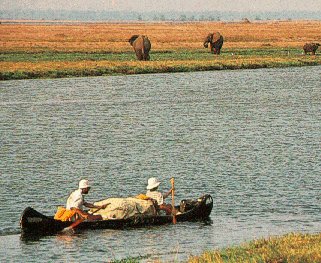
{"x": 290, "y": 248}
{"x": 151, "y": 68}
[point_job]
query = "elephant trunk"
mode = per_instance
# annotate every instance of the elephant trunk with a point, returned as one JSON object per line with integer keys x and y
{"x": 208, "y": 40}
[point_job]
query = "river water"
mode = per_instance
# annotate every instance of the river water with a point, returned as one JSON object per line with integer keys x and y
{"x": 250, "y": 138}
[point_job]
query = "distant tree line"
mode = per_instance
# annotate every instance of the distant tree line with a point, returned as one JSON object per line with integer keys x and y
{"x": 152, "y": 16}
{"x": 182, "y": 17}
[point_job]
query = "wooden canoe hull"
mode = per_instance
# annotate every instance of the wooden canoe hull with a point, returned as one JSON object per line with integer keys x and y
{"x": 35, "y": 223}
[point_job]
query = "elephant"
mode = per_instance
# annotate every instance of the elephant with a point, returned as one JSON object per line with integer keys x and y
{"x": 141, "y": 45}
{"x": 216, "y": 42}
{"x": 310, "y": 47}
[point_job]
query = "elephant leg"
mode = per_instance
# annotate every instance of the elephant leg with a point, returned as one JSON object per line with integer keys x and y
{"x": 212, "y": 48}
{"x": 139, "y": 55}
{"x": 146, "y": 56}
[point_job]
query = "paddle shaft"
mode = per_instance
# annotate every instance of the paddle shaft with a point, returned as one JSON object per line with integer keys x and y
{"x": 173, "y": 199}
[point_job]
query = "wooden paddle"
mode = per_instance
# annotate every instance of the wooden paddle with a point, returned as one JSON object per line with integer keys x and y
{"x": 173, "y": 200}
{"x": 70, "y": 229}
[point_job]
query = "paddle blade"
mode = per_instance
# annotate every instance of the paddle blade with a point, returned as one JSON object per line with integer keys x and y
{"x": 71, "y": 229}
{"x": 67, "y": 231}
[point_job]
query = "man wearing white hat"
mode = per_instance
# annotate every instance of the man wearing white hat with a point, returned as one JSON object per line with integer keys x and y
{"x": 76, "y": 200}
{"x": 152, "y": 187}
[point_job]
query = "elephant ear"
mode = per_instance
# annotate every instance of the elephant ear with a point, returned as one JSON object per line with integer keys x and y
{"x": 147, "y": 44}
{"x": 208, "y": 38}
{"x": 132, "y": 39}
{"x": 216, "y": 36}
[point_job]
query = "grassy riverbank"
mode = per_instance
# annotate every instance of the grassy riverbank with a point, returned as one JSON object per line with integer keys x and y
{"x": 291, "y": 248}
{"x": 57, "y": 65}
{"x": 44, "y": 50}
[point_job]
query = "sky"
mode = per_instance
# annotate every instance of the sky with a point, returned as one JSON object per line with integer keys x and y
{"x": 164, "y": 5}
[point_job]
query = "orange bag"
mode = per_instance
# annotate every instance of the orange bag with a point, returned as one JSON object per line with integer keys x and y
{"x": 63, "y": 214}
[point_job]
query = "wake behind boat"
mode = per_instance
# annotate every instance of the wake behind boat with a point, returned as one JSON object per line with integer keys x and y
{"x": 33, "y": 222}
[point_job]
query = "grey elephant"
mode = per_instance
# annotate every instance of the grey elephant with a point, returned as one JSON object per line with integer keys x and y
{"x": 310, "y": 47}
{"x": 216, "y": 42}
{"x": 141, "y": 45}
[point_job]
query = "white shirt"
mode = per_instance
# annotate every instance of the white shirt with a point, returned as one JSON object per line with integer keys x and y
{"x": 76, "y": 200}
{"x": 156, "y": 196}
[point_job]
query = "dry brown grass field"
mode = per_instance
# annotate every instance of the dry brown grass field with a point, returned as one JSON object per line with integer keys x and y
{"x": 112, "y": 37}
{"x": 173, "y": 37}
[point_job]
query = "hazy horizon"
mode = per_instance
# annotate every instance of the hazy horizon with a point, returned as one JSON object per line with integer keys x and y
{"x": 165, "y": 5}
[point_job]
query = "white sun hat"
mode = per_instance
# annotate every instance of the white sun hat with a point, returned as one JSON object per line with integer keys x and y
{"x": 152, "y": 183}
{"x": 83, "y": 184}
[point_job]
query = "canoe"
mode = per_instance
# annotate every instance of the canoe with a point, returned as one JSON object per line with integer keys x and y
{"x": 33, "y": 222}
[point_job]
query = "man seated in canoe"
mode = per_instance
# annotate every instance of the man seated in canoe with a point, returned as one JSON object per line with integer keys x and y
{"x": 152, "y": 192}
{"x": 74, "y": 207}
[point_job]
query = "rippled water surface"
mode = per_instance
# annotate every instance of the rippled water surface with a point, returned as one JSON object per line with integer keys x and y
{"x": 250, "y": 138}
